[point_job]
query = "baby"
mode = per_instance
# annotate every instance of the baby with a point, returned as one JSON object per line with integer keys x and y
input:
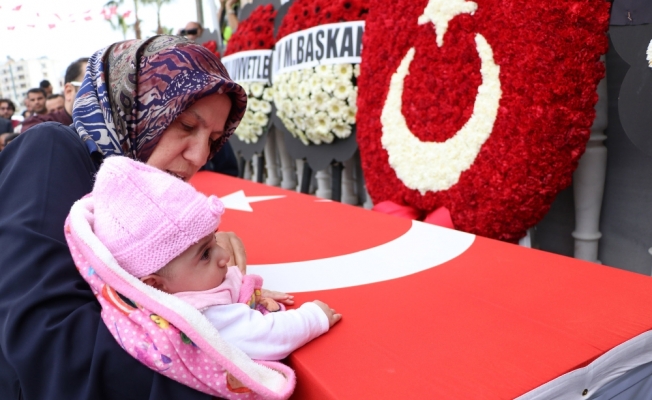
{"x": 161, "y": 230}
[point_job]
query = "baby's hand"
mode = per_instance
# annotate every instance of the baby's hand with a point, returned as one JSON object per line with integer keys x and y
{"x": 332, "y": 316}
{"x": 280, "y": 297}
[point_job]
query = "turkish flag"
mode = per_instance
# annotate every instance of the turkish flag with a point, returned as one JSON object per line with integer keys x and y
{"x": 428, "y": 312}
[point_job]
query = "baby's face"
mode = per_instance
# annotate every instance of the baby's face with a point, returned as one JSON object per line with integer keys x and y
{"x": 203, "y": 266}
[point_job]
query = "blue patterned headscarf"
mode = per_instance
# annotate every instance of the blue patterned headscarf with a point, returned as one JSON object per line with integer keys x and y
{"x": 133, "y": 91}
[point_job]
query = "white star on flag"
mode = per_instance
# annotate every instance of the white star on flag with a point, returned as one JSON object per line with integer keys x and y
{"x": 238, "y": 201}
{"x": 441, "y": 12}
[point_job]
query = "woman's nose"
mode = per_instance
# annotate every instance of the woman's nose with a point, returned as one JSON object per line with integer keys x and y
{"x": 197, "y": 152}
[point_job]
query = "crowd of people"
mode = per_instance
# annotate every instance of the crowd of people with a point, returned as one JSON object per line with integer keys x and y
{"x": 42, "y": 105}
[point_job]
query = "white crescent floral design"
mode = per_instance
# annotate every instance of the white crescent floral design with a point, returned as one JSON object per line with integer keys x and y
{"x": 433, "y": 166}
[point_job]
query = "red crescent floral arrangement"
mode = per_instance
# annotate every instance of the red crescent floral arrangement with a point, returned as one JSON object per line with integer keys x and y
{"x": 480, "y": 107}
{"x": 318, "y": 104}
{"x": 254, "y": 33}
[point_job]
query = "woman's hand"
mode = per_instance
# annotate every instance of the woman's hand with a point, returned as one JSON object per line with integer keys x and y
{"x": 230, "y": 242}
{"x": 280, "y": 297}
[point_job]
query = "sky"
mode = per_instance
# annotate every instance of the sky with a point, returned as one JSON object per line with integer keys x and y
{"x": 73, "y": 37}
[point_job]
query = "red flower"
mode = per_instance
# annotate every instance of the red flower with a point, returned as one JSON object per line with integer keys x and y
{"x": 212, "y": 46}
{"x": 304, "y": 14}
{"x": 548, "y": 55}
{"x": 255, "y": 32}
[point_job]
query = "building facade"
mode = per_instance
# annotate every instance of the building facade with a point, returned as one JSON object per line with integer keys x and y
{"x": 18, "y": 76}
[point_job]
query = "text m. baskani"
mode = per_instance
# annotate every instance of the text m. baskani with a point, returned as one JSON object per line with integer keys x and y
{"x": 325, "y": 44}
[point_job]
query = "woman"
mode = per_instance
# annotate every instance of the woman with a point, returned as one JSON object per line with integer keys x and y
{"x": 163, "y": 101}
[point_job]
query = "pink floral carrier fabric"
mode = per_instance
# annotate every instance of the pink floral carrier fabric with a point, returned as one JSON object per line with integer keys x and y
{"x": 165, "y": 333}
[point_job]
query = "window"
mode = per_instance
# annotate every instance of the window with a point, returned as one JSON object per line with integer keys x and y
{"x": 19, "y": 68}
{"x": 23, "y": 85}
{"x": 21, "y": 76}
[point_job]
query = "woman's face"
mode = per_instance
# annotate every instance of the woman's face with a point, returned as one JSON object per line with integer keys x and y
{"x": 185, "y": 145}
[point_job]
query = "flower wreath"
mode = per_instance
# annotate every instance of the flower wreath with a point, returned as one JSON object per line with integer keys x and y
{"x": 254, "y": 33}
{"x": 480, "y": 107}
{"x": 318, "y": 104}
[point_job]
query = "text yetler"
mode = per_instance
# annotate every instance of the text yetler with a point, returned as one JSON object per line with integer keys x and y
{"x": 249, "y": 66}
{"x": 325, "y": 44}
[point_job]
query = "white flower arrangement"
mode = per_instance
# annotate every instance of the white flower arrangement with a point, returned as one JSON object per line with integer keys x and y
{"x": 317, "y": 104}
{"x": 648, "y": 54}
{"x": 259, "y": 106}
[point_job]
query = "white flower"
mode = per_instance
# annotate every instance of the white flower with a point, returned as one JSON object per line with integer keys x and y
{"x": 320, "y": 100}
{"x": 268, "y": 94}
{"x": 328, "y": 83}
{"x": 353, "y": 97}
{"x": 284, "y": 89}
{"x": 293, "y": 90}
{"x": 302, "y": 136}
{"x": 324, "y": 70}
{"x": 265, "y": 106}
{"x": 288, "y": 123}
{"x": 286, "y": 106}
{"x": 343, "y": 89}
{"x": 300, "y": 122}
{"x": 278, "y": 79}
{"x": 261, "y": 119}
{"x": 245, "y": 86}
{"x": 343, "y": 71}
{"x": 356, "y": 70}
{"x": 257, "y": 89}
{"x": 297, "y": 105}
{"x": 254, "y": 104}
{"x": 304, "y": 90}
{"x": 295, "y": 77}
{"x": 315, "y": 83}
{"x": 342, "y": 131}
{"x": 307, "y": 73}
{"x": 309, "y": 108}
{"x": 257, "y": 130}
{"x": 649, "y": 54}
{"x": 247, "y": 118}
{"x": 323, "y": 123}
{"x": 349, "y": 115}
{"x": 336, "y": 108}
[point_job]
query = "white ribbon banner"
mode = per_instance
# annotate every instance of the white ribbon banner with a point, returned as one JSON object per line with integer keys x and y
{"x": 339, "y": 43}
{"x": 249, "y": 66}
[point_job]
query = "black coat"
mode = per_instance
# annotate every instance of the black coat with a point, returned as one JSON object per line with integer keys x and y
{"x": 6, "y": 126}
{"x": 53, "y": 343}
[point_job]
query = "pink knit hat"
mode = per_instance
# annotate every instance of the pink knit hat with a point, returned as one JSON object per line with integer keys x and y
{"x": 147, "y": 217}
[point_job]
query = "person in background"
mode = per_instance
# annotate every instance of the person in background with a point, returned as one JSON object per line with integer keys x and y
{"x": 46, "y": 86}
{"x": 54, "y": 103}
{"x": 73, "y": 78}
{"x": 7, "y": 110}
{"x": 36, "y": 101}
{"x": 5, "y": 138}
{"x": 5, "y": 126}
{"x": 192, "y": 31}
{"x": 228, "y": 18}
